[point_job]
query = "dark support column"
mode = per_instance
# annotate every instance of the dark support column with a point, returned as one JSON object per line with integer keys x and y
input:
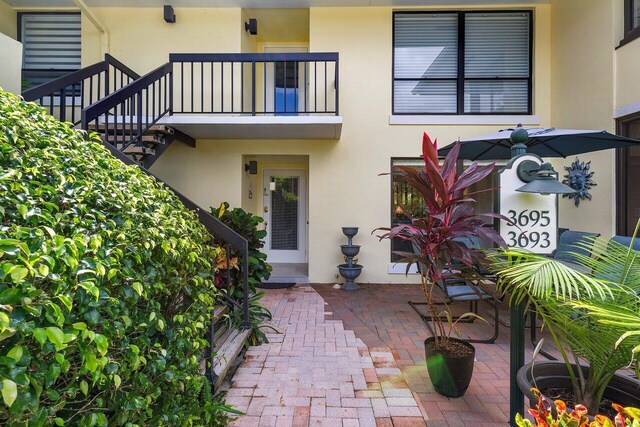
{"x": 516, "y": 401}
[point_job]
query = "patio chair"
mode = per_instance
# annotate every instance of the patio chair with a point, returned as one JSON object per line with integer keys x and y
{"x": 567, "y": 245}
{"x": 462, "y": 289}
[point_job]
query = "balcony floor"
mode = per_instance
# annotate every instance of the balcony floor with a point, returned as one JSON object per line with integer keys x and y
{"x": 203, "y": 126}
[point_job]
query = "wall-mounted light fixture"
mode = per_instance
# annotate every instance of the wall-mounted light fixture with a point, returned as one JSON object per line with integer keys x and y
{"x": 541, "y": 179}
{"x": 251, "y": 167}
{"x": 169, "y": 14}
{"x": 251, "y": 27}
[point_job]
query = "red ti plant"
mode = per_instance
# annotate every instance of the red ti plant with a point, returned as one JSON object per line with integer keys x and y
{"x": 439, "y": 237}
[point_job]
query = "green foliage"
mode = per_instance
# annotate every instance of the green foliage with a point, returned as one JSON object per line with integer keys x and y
{"x": 106, "y": 285}
{"x": 441, "y": 237}
{"x": 559, "y": 415}
{"x": 246, "y": 224}
{"x": 573, "y": 302}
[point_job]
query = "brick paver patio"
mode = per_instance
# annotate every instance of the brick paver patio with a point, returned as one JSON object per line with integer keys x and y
{"x": 381, "y": 317}
{"x": 319, "y": 373}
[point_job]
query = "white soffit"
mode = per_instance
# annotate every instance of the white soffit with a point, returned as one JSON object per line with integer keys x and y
{"x": 264, "y": 3}
{"x": 247, "y": 127}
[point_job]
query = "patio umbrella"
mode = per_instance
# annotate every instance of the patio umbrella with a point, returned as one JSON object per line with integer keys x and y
{"x": 545, "y": 142}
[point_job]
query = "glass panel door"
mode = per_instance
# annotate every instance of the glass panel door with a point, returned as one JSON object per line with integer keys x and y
{"x": 284, "y": 196}
{"x": 286, "y": 88}
{"x": 284, "y": 212}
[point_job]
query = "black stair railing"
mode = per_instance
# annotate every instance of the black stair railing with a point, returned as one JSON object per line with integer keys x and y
{"x": 125, "y": 115}
{"x": 66, "y": 96}
{"x": 220, "y": 231}
{"x": 256, "y": 83}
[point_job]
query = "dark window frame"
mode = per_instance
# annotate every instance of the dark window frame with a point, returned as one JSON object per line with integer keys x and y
{"x": 19, "y": 16}
{"x": 630, "y": 32}
{"x": 622, "y": 220}
{"x": 460, "y": 79}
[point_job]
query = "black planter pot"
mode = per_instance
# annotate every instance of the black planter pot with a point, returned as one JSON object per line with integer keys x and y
{"x": 622, "y": 390}
{"x": 449, "y": 375}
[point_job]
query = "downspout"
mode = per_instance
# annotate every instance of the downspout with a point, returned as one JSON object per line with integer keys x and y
{"x": 104, "y": 34}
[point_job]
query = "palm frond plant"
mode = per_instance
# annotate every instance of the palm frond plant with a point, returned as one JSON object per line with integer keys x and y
{"x": 450, "y": 219}
{"x": 566, "y": 299}
{"x": 624, "y": 318}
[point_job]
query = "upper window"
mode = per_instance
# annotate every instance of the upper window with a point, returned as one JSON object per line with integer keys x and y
{"x": 51, "y": 45}
{"x": 462, "y": 62}
{"x": 631, "y": 20}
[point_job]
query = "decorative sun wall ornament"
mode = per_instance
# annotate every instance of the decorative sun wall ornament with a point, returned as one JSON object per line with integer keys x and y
{"x": 578, "y": 177}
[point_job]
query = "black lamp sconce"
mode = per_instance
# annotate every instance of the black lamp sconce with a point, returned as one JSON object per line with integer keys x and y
{"x": 251, "y": 167}
{"x": 251, "y": 27}
{"x": 541, "y": 179}
{"x": 169, "y": 14}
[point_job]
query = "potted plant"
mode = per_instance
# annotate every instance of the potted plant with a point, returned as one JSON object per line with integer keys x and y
{"x": 559, "y": 414}
{"x": 568, "y": 299}
{"x": 438, "y": 239}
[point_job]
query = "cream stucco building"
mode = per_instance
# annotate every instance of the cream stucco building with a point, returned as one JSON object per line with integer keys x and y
{"x": 579, "y": 66}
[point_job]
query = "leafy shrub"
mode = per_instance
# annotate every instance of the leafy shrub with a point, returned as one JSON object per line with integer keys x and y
{"x": 106, "y": 285}
{"x": 246, "y": 224}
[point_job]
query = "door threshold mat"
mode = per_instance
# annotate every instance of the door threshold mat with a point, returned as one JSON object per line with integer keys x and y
{"x": 276, "y": 285}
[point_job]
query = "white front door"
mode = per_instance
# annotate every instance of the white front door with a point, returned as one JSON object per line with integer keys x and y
{"x": 285, "y": 214}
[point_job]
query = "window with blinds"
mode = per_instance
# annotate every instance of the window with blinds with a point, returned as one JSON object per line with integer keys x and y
{"x": 51, "y": 45}
{"x": 462, "y": 63}
{"x": 631, "y": 20}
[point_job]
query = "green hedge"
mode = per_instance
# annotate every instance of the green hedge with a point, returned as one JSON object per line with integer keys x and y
{"x": 105, "y": 285}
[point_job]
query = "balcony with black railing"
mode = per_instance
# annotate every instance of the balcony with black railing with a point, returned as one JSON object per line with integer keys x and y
{"x": 255, "y": 95}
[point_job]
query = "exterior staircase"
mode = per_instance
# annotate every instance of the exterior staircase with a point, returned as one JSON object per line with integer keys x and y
{"x": 148, "y": 148}
{"x": 229, "y": 343}
{"x": 123, "y": 107}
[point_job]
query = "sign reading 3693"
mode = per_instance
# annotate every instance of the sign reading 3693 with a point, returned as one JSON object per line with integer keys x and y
{"x": 530, "y": 219}
{"x": 533, "y": 233}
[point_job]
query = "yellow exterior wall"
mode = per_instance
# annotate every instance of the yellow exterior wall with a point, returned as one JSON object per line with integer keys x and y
{"x": 582, "y": 87}
{"x": 627, "y": 66}
{"x": 141, "y": 39}
{"x": 344, "y": 186}
{"x": 8, "y": 21}
{"x": 578, "y": 81}
{"x": 10, "y": 64}
{"x": 628, "y": 74}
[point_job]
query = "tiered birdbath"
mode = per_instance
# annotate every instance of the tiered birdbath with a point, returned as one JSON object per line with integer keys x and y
{"x": 350, "y": 271}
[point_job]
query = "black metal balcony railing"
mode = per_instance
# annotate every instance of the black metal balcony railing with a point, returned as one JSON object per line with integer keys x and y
{"x": 66, "y": 96}
{"x": 285, "y": 84}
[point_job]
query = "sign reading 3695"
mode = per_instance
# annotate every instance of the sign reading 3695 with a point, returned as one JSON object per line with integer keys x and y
{"x": 532, "y": 234}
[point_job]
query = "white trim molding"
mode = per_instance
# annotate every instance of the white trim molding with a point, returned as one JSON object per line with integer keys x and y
{"x": 625, "y": 110}
{"x": 401, "y": 268}
{"x": 454, "y": 119}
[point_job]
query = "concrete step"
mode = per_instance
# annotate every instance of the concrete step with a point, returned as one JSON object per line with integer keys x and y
{"x": 156, "y": 139}
{"x": 219, "y": 312}
{"x": 161, "y": 129}
{"x": 227, "y": 348}
{"x": 135, "y": 149}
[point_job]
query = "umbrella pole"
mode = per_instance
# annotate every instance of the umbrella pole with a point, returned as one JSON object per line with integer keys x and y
{"x": 516, "y": 353}
{"x": 516, "y": 399}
